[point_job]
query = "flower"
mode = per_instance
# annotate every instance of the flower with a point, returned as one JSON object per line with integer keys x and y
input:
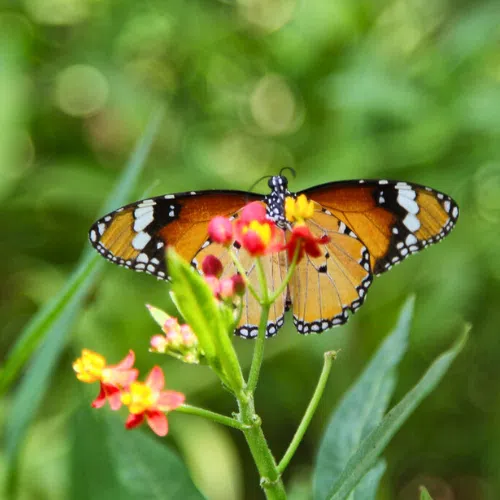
{"x": 297, "y": 210}
{"x": 147, "y": 401}
{"x": 220, "y": 230}
{"x": 91, "y": 367}
{"x": 257, "y": 234}
{"x": 178, "y": 340}
{"x": 305, "y": 241}
{"x": 211, "y": 266}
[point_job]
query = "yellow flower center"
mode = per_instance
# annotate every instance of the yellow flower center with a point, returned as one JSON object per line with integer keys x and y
{"x": 299, "y": 209}
{"x": 262, "y": 230}
{"x": 139, "y": 398}
{"x": 89, "y": 366}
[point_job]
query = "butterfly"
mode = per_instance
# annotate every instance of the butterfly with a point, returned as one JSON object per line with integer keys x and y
{"x": 371, "y": 226}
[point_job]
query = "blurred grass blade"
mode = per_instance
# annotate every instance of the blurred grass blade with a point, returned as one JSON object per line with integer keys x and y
{"x": 52, "y": 325}
{"x": 368, "y": 486}
{"x": 147, "y": 468}
{"x": 371, "y": 447}
{"x": 362, "y": 407}
{"x": 43, "y": 322}
{"x": 424, "y": 494}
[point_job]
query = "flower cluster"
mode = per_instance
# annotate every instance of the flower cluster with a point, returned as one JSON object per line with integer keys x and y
{"x": 259, "y": 235}
{"x": 119, "y": 386}
{"x": 177, "y": 340}
{"x": 223, "y": 288}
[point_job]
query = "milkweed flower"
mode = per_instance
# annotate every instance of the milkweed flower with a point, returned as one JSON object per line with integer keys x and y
{"x": 211, "y": 266}
{"x": 220, "y": 230}
{"x": 148, "y": 401}
{"x": 178, "y": 340}
{"x": 257, "y": 234}
{"x": 299, "y": 209}
{"x": 91, "y": 367}
{"x": 303, "y": 241}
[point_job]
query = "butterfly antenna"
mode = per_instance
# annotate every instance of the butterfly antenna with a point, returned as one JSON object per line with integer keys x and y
{"x": 294, "y": 173}
{"x": 258, "y": 180}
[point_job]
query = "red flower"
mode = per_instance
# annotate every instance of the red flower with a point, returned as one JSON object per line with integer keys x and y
{"x": 220, "y": 230}
{"x": 91, "y": 367}
{"x": 147, "y": 401}
{"x": 257, "y": 234}
{"x": 306, "y": 242}
{"x": 211, "y": 266}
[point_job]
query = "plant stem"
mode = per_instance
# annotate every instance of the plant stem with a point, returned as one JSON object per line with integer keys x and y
{"x": 258, "y": 353}
{"x": 329, "y": 356}
{"x": 270, "y": 478}
{"x": 243, "y": 274}
{"x": 210, "y": 415}
{"x": 289, "y": 273}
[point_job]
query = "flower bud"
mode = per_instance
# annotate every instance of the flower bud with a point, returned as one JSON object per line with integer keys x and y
{"x": 211, "y": 266}
{"x": 220, "y": 230}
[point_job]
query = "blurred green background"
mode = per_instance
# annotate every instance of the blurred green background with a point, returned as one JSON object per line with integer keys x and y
{"x": 336, "y": 89}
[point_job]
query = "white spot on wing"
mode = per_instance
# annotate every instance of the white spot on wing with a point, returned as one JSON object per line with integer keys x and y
{"x": 409, "y": 205}
{"x": 93, "y": 236}
{"x": 412, "y": 223}
{"x": 101, "y": 228}
{"x": 141, "y": 240}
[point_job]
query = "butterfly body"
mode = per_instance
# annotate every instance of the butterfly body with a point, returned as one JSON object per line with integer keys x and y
{"x": 371, "y": 225}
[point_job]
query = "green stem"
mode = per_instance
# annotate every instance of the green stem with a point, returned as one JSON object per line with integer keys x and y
{"x": 289, "y": 273}
{"x": 270, "y": 478}
{"x": 311, "y": 408}
{"x": 258, "y": 353}
{"x": 215, "y": 417}
{"x": 243, "y": 274}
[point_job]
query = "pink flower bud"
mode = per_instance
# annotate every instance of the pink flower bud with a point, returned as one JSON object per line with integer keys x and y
{"x": 158, "y": 343}
{"x": 213, "y": 283}
{"x": 238, "y": 284}
{"x": 226, "y": 288}
{"x": 220, "y": 230}
{"x": 211, "y": 266}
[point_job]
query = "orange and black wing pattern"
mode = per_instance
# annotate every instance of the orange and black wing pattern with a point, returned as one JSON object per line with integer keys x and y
{"x": 323, "y": 289}
{"x": 136, "y": 235}
{"x": 393, "y": 219}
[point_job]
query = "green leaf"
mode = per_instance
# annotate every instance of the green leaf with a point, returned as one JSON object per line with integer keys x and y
{"x": 362, "y": 407}
{"x": 368, "y": 486}
{"x": 51, "y": 326}
{"x": 196, "y": 303}
{"x": 424, "y": 494}
{"x": 373, "y": 445}
{"x": 146, "y": 468}
{"x": 89, "y": 458}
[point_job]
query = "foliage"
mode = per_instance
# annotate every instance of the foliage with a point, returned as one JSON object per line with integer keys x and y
{"x": 337, "y": 90}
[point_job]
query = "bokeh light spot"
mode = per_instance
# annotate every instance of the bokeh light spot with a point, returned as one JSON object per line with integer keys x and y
{"x": 273, "y": 105}
{"x": 57, "y": 12}
{"x": 268, "y": 15}
{"x": 487, "y": 191}
{"x": 81, "y": 90}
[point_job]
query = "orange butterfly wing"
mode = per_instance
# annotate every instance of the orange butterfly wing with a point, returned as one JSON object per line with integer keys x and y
{"x": 136, "y": 235}
{"x": 393, "y": 219}
{"x": 325, "y": 288}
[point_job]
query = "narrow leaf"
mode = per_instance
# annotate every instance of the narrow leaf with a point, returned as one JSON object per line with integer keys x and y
{"x": 147, "y": 468}
{"x": 424, "y": 494}
{"x": 371, "y": 447}
{"x": 196, "y": 303}
{"x": 43, "y": 322}
{"x": 362, "y": 407}
{"x": 368, "y": 486}
{"x": 90, "y": 458}
{"x": 51, "y": 326}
